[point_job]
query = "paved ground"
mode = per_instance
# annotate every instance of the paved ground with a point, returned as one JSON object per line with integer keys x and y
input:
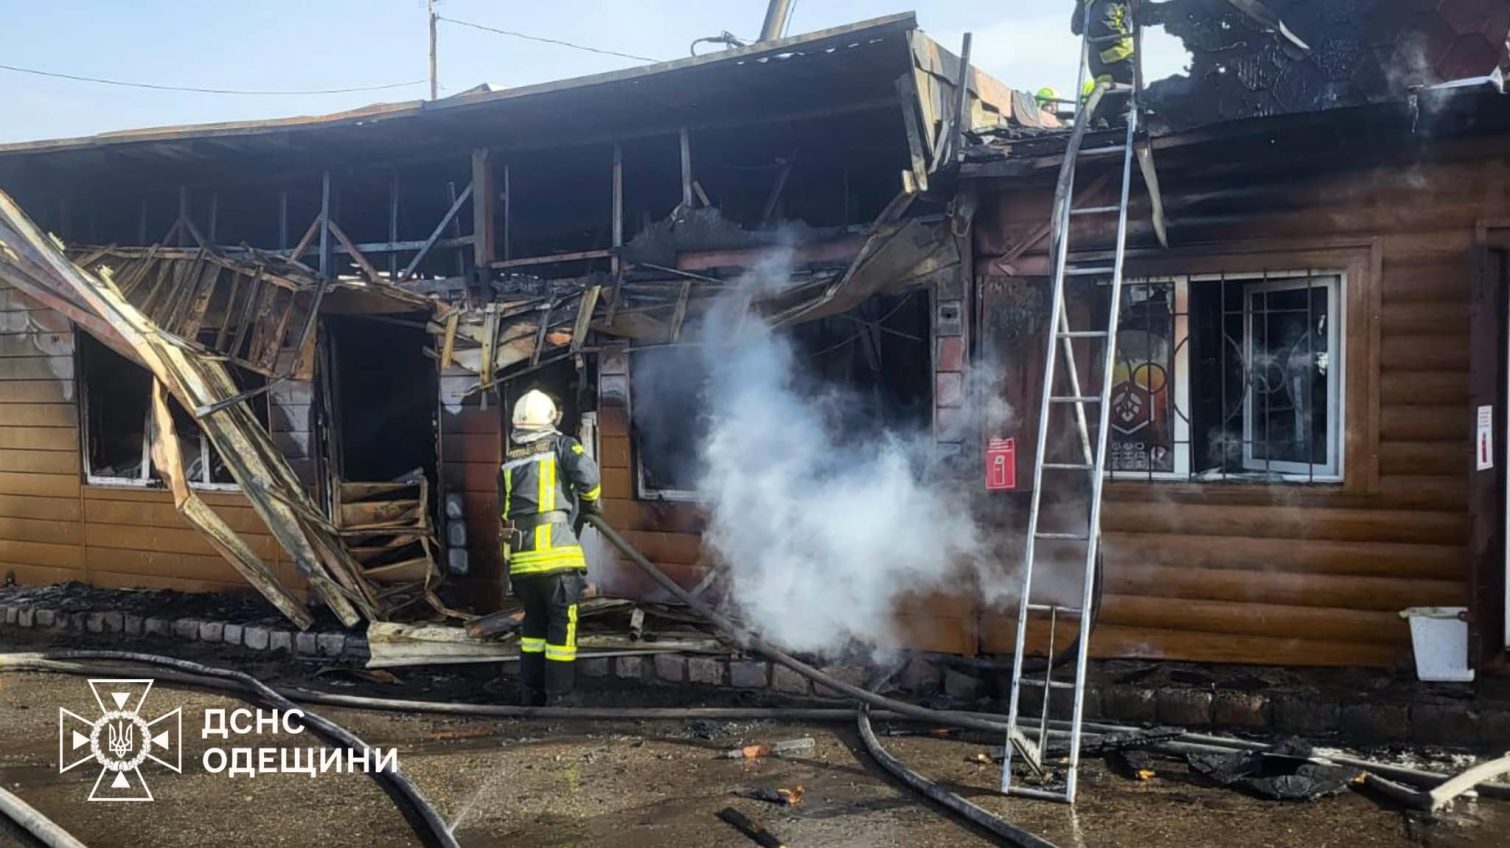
{"x": 633, "y": 784}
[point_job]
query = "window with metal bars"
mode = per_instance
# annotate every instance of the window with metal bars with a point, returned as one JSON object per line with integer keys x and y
{"x": 1229, "y": 378}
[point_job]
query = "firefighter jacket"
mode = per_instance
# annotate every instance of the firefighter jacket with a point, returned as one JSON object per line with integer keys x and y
{"x": 1111, "y": 30}
{"x": 546, "y": 484}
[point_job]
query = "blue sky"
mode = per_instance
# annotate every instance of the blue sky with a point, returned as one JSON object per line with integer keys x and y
{"x": 319, "y": 44}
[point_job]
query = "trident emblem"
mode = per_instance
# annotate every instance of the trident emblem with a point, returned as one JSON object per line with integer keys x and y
{"x": 120, "y": 739}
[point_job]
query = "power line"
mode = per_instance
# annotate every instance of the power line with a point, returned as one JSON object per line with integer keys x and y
{"x": 195, "y": 90}
{"x": 548, "y": 40}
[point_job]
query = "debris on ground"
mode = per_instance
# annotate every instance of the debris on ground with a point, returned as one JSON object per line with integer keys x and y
{"x": 1286, "y": 772}
{"x": 784, "y": 748}
{"x": 754, "y": 830}
{"x": 1137, "y": 765}
{"x": 774, "y": 795}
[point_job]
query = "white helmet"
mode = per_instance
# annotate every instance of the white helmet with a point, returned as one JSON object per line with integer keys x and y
{"x": 534, "y": 411}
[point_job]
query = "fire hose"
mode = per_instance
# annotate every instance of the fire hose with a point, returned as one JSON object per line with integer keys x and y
{"x": 748, "y": 641}
{"x": 40, "y": 827}
{"x": 412, "y": 803}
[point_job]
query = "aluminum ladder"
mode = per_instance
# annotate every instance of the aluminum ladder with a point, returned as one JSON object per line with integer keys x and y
{"x": 1029, "y": 737}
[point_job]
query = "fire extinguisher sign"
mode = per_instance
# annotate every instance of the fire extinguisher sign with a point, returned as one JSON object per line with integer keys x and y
{"x": 1001, "y": 465}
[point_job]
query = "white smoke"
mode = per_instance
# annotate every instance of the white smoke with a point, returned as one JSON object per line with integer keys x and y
{"x": 822, "y": 536}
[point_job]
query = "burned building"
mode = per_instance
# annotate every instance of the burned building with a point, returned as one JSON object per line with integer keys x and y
{"x": 341, "y": 306}
{"x": 364, "y": 293}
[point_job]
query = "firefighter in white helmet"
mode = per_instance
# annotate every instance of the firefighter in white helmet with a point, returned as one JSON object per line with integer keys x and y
{"x": 548, "y": 483}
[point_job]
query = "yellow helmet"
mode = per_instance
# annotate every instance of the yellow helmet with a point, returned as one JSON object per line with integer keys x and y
{"x": 1047, "y": 97}
{"x": 535, "y": 411}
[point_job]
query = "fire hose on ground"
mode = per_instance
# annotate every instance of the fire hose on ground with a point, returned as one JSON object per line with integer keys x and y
{"x": 411, "y": 802}
{"x": 40, "y": 827}
{"x": 432, "y": 829}
{"x": 747, "y": 641}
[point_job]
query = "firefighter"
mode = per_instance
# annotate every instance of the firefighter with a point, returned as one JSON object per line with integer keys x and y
{"x": 549, "y": 484}
{"x": 1112, "y": 48}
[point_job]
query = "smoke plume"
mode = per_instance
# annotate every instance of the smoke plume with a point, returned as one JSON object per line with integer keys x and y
{"x": 822, "y": 532}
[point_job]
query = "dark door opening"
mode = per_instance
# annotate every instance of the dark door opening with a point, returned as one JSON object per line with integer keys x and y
{"x": 384, "y": 392}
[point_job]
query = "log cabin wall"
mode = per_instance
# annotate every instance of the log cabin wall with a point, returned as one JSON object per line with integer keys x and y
{"x": 53, "y": 526}
{"x": 1297, "y": 573}
{"x": 471, "y": 452}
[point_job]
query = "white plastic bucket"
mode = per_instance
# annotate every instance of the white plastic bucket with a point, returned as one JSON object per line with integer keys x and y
{"x": 1439, "y": 636}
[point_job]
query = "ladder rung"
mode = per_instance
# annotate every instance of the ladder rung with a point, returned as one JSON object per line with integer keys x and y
{"x": 1063, "y": 537}
{"x": 1053, "y": 684}
{"x": 1095, "y": 210}
{"x": 1067, "y": 466}
{"x": 1074, "y": 399}
{"x": 1102, "y": 151}
{"x": 1089, "y": 270}
{"x": 1042, "y": 794}
{"x": 1053, "y": 608}
{"x": 1084, "y": 334}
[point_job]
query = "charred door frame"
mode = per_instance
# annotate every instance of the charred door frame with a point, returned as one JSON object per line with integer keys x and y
{"x": 1488, "y": 496}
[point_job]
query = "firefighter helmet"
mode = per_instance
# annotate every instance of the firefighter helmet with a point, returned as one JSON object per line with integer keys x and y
{"x": 1047, "y": 97}
{"x": 535, "y": 411}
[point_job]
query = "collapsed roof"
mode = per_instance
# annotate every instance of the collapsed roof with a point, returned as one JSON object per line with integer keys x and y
{"x": 1254, "y": 59}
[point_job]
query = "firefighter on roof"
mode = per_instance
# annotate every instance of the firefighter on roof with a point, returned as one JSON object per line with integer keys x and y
{"x": 1112, "y": 48}
{"x": 548, "y": 483}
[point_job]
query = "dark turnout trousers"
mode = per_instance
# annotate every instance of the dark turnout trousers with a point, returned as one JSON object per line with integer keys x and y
{"x": 548, "y": 636}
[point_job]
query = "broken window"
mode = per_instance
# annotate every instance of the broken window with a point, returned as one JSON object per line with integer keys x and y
{"x": 668, "y": 388}
{"x": 116, "y": 394}
{"x": 867, "y": 368}
{"x": 1229, "y": 378}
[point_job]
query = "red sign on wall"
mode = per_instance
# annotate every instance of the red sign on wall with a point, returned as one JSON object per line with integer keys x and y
{"x": 1001, "y": 465}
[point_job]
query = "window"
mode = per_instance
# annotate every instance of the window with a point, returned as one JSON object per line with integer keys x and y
{"x": 116, "y": 394}
{"x": 667, "y": 387}
{"x": 1229, "y": 378}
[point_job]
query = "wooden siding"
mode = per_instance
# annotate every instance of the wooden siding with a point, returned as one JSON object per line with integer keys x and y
{"x": 53, "y": 528}
{"x": 471, "y": 450}
{"x": 1294, "y": 574}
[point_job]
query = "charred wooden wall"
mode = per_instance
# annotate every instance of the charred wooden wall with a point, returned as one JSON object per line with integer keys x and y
{"x": 1304, "y": 574}
{"x": 53, "y": 526}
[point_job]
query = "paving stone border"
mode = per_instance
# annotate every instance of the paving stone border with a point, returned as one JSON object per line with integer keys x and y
{"x": 1423, "y": 714}
{"x": 253, "y": 637}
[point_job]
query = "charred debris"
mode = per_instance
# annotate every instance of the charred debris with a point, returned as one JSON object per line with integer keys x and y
{"x": 326, "y": 333}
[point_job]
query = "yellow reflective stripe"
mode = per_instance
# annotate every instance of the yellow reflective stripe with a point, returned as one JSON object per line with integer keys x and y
{"x": 571, "y": 627}
{"x": 559, "y": 654}
{"x": 1118, "y": 52}
{"x": 542, "y": 538}
{"x": 545, "y": 568}
{"x": 578, "y": 449}
{"x": 532, "y": 646}
{"x": 571, "y": 560}
{"x": 530, "y": 562}
{"x": 592, "y": 494}
{"x": 545, "y": 499}
{"x": 508, "y": 489}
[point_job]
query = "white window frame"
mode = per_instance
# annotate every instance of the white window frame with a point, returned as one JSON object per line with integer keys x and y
{"x": 1180, "y": 378}
{"x": 1335, "y": 281}
{"x": 145, "y": 480}
{"x": 1329, "y": 471}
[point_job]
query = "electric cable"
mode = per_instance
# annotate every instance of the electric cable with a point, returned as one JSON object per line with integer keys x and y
{"x": 543, "y": 40}
{"x": 198, "y": 90}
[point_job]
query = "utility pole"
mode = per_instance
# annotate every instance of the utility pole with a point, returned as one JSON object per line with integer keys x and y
{"x": 434, "y": 82}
